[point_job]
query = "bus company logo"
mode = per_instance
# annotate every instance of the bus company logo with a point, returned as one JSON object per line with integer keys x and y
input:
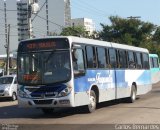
{"x": 101, "y": 80}
{"x": 42, "y": 95}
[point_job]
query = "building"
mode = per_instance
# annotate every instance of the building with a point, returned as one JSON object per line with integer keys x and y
{"x": 61, "y": 15}
{"x": 23, "y": 20}
{"x": 85, "y": 22}
{"x": 67, "y": 14}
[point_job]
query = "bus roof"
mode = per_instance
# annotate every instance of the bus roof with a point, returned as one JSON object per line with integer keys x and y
{"x": 105, "y": 43}
{"x": 153, "y": 55}
{"x": 96, "y": 42}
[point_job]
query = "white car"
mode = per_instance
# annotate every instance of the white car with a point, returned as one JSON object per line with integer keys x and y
{"x": 8, "y": 86}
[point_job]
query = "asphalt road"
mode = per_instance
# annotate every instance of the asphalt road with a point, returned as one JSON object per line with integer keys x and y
{"x": 146, "y": 110}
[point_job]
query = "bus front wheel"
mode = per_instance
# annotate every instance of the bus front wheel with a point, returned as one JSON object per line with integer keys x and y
{"x": 93, "y": 102}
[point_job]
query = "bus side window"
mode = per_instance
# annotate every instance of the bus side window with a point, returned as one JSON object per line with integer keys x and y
{"x": 91, "y": 57}
{"x": 122, "y": 59}
{"x": 145, "y": 61}
{"x": 131, "y": 60}
{"x": 78, "y": 60}
{"x": 139, "y": 60}
{"x": 101, "y": 55}
{"x": 151, "y": 62}
{"x": 112, "y": 58}
{"x": 155, "y": 62}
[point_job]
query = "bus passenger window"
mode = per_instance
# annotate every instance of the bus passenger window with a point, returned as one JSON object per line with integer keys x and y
{"x": 145, "y": 61}
{"x": 122, "y": 59}
{"x": 139, "y": 60}
{"x": 101, "y": 54}
{"x": 78, "y": 60}
{"x": 91, "y": 57}
{"x": 112, "y": 58}
{"x": 155, "y": 62}
{"x": 131, "y": 60}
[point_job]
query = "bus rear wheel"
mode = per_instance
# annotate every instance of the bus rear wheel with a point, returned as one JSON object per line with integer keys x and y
{"x": 133, "y": 95}
{"x": 93, "y": 102}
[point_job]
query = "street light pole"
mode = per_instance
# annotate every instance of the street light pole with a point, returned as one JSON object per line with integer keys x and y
{"x": 8, "y": 49}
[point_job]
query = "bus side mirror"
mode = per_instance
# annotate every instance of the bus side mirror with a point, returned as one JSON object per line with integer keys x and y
{"x": 78, "y": 73}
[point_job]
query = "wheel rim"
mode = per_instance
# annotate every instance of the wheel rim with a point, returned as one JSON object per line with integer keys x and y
{"x": 92, "y": 104}
{"x": 134, "y": 96}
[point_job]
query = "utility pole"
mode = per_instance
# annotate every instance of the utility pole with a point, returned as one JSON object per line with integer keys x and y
{"x": 8, "y": 49}
{"x": 6, "y": 38}
{"x": 5, "y": 19}
{"x": 47, "y": 17}
{"x": 29, "y": 18}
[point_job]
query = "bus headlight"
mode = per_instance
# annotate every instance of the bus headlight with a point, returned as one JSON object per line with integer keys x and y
{"x": 22, "y": 94}
{"x": 65, "y": 92}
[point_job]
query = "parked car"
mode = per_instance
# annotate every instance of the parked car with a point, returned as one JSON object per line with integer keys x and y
{"x": 8, "y": 86}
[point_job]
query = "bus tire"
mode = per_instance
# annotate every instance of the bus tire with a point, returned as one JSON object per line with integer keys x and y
{"x": 14, "y": 96}
{"x": 93, "y": 102}
{"x": 47, "y": 111}
{"x": 133, "y": 95}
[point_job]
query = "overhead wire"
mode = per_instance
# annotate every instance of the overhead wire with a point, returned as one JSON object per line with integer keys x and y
{"x": 87, "y": 7}
{"x": 39, "y": 11}
{"x": 50, "y": 21}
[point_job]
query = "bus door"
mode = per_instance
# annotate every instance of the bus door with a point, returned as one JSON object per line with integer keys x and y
{"x": 112, "y": 91}
{"x": 120, "y": 74}
{"x": 79, "y": 76}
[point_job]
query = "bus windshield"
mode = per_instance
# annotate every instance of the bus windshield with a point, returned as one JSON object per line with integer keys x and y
{"x": 44, "y": 67}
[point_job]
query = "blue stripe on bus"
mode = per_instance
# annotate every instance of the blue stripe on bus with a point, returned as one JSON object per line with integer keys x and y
{"x": 106, "y": 79}
{"x": 44, "y": 89}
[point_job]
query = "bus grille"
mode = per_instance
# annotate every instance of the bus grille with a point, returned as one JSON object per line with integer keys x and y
{"x": 38, "y": 102}
{"x": 39, "y": 95}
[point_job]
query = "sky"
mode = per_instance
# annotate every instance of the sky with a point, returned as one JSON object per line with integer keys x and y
{"x": 100, "y": 10}
{"x": 97, "y": 10}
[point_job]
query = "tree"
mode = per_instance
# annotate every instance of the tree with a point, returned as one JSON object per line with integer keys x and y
{"x": 156, "y": 36}
{"x": 74, "y": 31}
{"x": 127, "y": 31}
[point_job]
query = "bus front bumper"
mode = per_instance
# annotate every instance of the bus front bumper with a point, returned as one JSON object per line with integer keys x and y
{"x": 44, "y": 103}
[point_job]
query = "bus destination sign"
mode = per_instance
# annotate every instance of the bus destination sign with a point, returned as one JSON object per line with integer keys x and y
{"x": 43, "y": 44}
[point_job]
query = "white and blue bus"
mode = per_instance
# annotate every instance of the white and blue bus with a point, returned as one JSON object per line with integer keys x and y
{"x": 70, "y": 71}
{"x": 155, "y": 70}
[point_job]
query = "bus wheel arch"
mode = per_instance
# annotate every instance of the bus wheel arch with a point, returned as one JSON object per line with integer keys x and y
{"x": 133, "y": 94}
{"x": 96, "y": 90}
{"x": 93, "y": 98}
{"x": 134, "y": 85}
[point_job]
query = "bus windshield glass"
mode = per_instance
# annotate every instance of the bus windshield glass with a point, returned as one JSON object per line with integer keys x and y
{"x": 43, "y": 67}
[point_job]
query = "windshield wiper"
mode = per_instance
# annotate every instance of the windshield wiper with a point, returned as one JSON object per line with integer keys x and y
{"x": 50, "y": 56}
